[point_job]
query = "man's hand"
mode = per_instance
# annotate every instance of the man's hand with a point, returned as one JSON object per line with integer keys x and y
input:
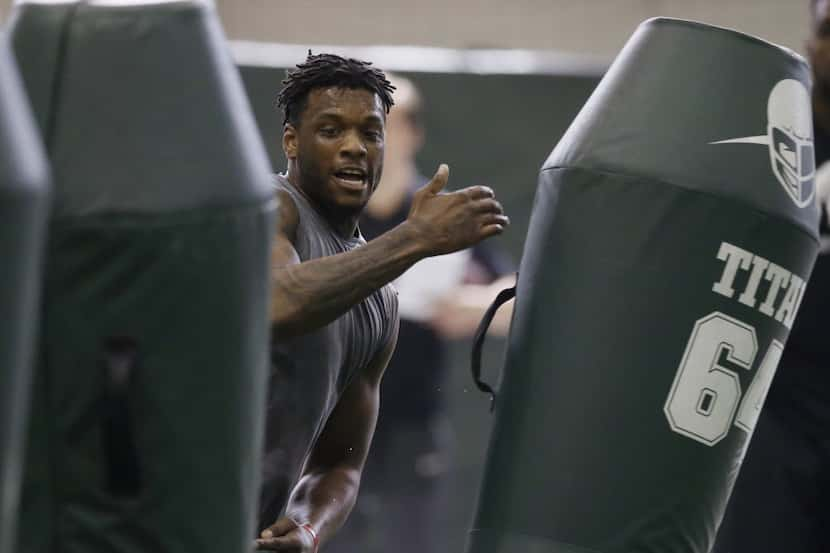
{"x": 448, "y": 222}
{"x": 287, "y": 536}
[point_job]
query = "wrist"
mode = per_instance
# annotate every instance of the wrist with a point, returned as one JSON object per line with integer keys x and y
{"x": 310, "y": 531}
{"x": 415, "y": 240}
{"x": 315, "y": 538}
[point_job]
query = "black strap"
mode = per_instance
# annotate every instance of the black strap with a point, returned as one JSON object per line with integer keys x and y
{"x": 478, "y": 341}
{"x": 124, "y": 469}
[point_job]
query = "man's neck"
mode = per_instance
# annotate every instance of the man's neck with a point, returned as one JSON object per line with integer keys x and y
{"x": 344, "y": 226}
{"x": 392, "y": 191}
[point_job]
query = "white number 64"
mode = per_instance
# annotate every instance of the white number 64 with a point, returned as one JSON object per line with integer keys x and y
{"x": 706, "y": 392}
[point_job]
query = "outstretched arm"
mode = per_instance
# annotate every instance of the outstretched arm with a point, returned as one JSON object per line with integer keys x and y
{"x": 309, "y": 295}
{"x": 327, "y": 490}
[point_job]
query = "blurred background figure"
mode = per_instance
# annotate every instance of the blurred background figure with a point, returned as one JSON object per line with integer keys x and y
{"x": 781, "y": 500}
{"x": 404, "y": 493}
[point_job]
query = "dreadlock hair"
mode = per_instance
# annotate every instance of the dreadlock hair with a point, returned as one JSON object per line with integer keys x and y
{"x": 325, "y": 70}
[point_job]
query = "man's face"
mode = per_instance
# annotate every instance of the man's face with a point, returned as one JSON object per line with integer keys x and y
{"x": 338, "y": 148}
{"x": 818, "y": 46}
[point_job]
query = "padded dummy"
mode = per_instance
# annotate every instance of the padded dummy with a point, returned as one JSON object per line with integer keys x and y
{"x": 23, "y": 214}
{"x": 147, "y": 419}
{"x": 673, "y": 229}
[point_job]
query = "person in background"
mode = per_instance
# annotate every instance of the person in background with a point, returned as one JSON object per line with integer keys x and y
{"x": 404, "y": 493}
{"x": 781, "y": 500}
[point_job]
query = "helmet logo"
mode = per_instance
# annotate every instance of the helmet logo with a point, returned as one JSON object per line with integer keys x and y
{"x": 790, "y": 140}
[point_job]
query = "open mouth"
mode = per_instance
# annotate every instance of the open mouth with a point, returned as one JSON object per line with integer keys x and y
{"x": 352, "y": 178}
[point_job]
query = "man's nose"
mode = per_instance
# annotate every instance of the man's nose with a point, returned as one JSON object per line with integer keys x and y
{"x": 352, "y": 145}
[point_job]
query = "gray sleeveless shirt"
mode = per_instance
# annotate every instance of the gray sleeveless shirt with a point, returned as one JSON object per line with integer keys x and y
{"x": 310, "y": 372}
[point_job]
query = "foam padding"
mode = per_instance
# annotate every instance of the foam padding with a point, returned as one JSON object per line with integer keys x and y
{"x": 149, "y": 400}
{"x": 24, "y": 208}
{"x": 673, "y": 230}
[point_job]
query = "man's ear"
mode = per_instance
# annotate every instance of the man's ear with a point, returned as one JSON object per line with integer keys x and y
{"x": 289, "y": 141}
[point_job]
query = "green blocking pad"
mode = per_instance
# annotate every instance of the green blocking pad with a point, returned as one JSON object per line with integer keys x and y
{"x": 673, "y": 230}
{"x": 24, "y": 189}
{"x": 149, "y": 396}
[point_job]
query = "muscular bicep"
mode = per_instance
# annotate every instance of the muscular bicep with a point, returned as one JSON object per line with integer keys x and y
{"x": 348, "y": 432}
{"x": 283, "y": 250}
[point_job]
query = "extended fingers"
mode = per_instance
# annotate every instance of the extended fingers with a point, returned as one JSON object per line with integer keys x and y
{"x": 479, "y": 192}
{"x": 491, "y": 217}
{"x": 281, "y": 527}
{"x": 491, "y": 230}
{"x": 501, "y": 219}
{"x": 283, "y": 536}
{"x": 495, "y": 219}
{"x": 286, "y": 544}
{"x": 487, "y": 206}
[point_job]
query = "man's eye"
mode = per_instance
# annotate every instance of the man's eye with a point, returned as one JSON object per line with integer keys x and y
{"x": 329, "y": 132}
{"x": 374, "y": 135}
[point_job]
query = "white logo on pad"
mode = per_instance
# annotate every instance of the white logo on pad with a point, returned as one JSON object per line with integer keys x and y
{"x": 790, "y": 140}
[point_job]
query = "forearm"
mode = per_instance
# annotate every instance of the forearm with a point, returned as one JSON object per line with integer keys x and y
{"x": 324, "y": 500}
{"x": 311, "y": 294}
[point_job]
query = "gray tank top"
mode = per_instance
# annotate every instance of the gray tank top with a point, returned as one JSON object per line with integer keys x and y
{"x": 310, "y": 372}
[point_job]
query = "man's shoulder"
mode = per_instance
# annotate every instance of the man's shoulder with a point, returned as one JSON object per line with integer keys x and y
{"x": 288, "y": 214}
{"x": 279, "y": 181}
{"x": 296, "y": 203}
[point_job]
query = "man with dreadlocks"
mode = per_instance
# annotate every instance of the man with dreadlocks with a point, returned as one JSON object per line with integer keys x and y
{"x": 334, "y": 315}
